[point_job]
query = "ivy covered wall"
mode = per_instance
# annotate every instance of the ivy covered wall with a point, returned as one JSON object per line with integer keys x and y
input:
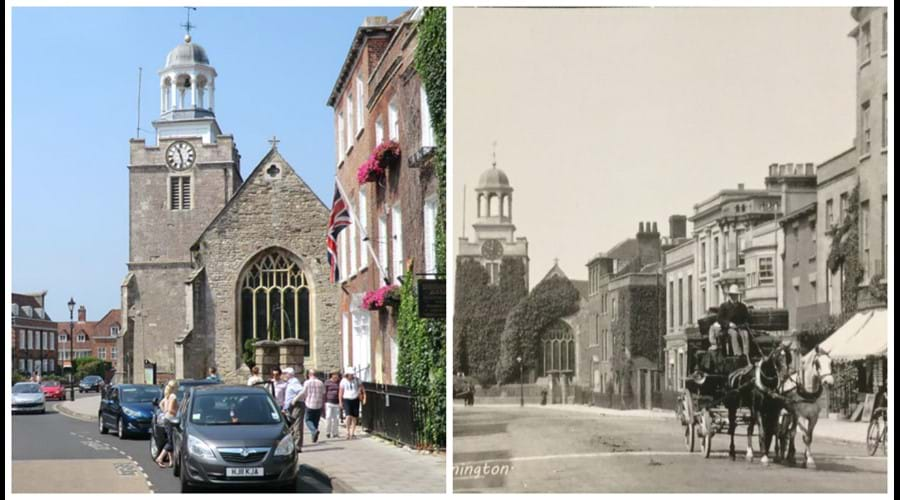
{"x": 552, "y": 299}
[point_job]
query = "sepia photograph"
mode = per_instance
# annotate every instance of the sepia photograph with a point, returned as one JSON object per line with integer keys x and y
{"x": 227, "y": 250}
{"x": 671, "y": 244}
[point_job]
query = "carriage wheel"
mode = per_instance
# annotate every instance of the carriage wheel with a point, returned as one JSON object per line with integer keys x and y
{"x": 689, "y": 434}
{"x": 706, "y": 443}
{"x": 687, "y": 419}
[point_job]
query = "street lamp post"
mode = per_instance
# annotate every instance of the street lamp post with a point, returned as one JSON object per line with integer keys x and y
{"x": 521, "y": 382}
{"x": 72, "y": 349}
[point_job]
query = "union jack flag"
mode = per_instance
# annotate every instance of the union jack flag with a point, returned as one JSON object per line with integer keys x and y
{"x": 337, "y": 221}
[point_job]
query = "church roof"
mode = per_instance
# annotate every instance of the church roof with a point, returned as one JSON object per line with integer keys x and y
{"x": 272, "y": 155}
{"x": 583, "y": 286}
{"x": 187, "y": 53}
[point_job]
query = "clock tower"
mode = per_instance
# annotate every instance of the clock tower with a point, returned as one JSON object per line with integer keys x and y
{"x": 495, "y": 238}
{"x": 176, "y": 188}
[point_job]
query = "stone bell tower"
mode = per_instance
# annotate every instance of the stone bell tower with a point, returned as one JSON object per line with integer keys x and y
{"x": 176, "y": 188}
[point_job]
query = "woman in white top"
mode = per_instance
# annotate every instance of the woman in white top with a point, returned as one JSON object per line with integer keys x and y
{"x": 255, "y": 378}
{"x": 168, "y": 407}
{"x": 350, "y": 394}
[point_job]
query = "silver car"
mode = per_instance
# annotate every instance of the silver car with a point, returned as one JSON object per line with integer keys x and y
{"x": 28, "y": 397}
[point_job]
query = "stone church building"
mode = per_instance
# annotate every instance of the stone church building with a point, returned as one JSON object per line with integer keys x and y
{"x": 215, "y": 260}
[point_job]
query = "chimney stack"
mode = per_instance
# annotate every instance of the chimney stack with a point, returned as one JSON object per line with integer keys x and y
{"x": 82, "y": 314}
{"x": 640, "y": 227}
{"x": 677, "y": 226}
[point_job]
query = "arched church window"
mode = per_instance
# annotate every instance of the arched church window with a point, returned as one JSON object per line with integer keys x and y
{"x": 274, "y": 299}
{"x": 558, "y": 346}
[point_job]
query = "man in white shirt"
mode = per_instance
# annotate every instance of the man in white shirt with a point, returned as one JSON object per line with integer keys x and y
{"x": 350, "y": 394}
{"x": 294, "y": 410}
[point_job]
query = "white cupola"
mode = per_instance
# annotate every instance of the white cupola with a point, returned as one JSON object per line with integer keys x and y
{"x": 187, "y": 94}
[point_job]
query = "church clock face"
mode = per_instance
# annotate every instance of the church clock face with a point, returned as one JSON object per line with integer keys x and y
{"x": 180, "y": 155}
{"x": 492, "y": 249}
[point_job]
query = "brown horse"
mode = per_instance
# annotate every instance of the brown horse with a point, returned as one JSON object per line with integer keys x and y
{"x": 801, "y": 392}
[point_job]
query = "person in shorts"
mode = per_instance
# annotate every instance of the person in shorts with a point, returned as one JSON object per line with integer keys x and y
{"x": 350, "y": 395}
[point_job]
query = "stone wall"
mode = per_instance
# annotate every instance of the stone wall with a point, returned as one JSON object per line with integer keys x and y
{"x": 268, "y": 211}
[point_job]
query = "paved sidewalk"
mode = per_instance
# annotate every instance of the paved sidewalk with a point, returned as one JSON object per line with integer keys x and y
{"x": 840, "y": 430}
{"x": 367, "y": 464}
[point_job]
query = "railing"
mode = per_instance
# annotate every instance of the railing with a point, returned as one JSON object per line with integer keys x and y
{"x": 389, "y": 412}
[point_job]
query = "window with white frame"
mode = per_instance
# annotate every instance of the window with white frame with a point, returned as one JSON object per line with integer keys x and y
{"x": 51, "y": 338}
{"x": 359, "y": 103}
{"x": 114, "y": 331}
{"x": 114, "y": 353}
{"x": 865, "y": 42}
{"x": 44, "y": 343}
{"x": 342, "y": 244}
{"x": 362, "y": 343}
{"x": 350, "y": 120}
{"x": 383, "y": 246}
{"x": 30, "y": 339}
{"x": 393, "y": 121}
{"x": 397, "y": 242}
{"x": 364, "y": 229}
{"x": 430, "y": 216}
{"x": 345, "y": 339}
{"x": 379, "y": 131}
{"x": 341, "y": 137}
{"x": 427, "y": 132}
{"x": 864, "y": 238}
{"x": 63, "y": 337}
{"x": 21, "y": 365}
{"x": 81, "y": 337}
{"x": 101, "y": 352}
{"x": 866, "y": 128}
{"x": 22, "y": 338}
{"x": 353, "y": 243}
{"x": 30, "y": 366}
{"x": 766, "y": 271}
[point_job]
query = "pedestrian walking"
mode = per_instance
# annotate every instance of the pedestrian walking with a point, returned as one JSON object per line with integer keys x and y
{"x": 278, "y": 386}
{"x": 213, "y": 374}
{"x": 167, "y": 410}
{"x": 36, "y": 377}
{"x": 293, "y": 407}
{"x": 350, "y": 395}
{"x": 332, "y": 405}
{"x": 313, "y": 397}
{"x": 255, "y": 377}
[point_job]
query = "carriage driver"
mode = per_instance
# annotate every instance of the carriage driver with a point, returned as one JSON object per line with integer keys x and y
{"x": 735, "y": 319}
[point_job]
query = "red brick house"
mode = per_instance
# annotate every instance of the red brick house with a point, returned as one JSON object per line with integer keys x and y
{"x": 33, "y": 334}
{"x": 95, "y": 339}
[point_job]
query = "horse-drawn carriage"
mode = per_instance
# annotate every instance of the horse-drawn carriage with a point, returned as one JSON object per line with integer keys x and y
{"x": 719, "y": 378}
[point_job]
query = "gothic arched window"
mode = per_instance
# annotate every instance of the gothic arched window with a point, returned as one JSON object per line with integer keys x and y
{"x": 558, "y": 346}
{"x": 274, "y": 296}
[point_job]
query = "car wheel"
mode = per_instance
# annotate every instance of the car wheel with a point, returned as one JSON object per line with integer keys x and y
{"x": 103, "y": 429}
{"x": 120, "y": 427}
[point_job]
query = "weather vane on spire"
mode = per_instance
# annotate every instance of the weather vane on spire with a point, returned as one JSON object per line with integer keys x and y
{"x": 494, "y": 162}
{"x": 188, "y": 26}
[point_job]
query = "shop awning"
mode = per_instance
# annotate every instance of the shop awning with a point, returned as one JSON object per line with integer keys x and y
{"x": 864, "y": 335}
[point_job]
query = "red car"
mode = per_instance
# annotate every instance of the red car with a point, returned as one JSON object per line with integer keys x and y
{"x": 53, "y": 390}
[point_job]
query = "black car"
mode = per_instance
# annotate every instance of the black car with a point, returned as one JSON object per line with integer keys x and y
{"x": 229, "y": 435}
{"x": 91, "y": 383}
{"x": 158, "y": 432}
{"x": 128, "y": 408}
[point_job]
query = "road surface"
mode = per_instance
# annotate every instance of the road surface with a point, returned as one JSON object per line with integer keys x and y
{"x": 537, "y": 449}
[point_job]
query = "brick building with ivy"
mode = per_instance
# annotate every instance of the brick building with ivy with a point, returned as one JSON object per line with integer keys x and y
{"x": 380, "y": 104}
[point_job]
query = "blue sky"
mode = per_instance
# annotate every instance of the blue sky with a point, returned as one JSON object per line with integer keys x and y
{"x": 74, "y": 108}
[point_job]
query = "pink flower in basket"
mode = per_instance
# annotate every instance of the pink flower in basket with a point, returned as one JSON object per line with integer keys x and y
{"x": 369, "y": 171}
{"x": 379, "y": 299}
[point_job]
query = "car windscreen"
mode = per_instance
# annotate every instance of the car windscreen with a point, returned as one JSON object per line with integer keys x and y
{"x": 26, "y": 388}
{"x": 184, "y": 386}
{"x": 91, "y": 379}
{"x": 234, "y": 409}
{"x": 139, "y": 394}
{"x": 50, "y": 383}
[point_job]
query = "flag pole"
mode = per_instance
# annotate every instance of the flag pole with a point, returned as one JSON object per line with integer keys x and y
{"x": 362, "y": 229}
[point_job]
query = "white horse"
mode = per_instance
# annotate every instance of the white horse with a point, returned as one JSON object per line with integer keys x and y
{"x": 802, "y": 391}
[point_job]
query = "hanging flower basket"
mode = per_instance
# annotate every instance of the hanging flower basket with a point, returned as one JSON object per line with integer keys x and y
{"x": 387, "y": 154}
{"x": 369, "y": 171}
{"x": 386, "y": 296}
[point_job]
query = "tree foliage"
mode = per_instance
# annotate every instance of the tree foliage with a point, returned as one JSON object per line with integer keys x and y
{"x": 91, "y": 366}
{"x": 552, "y": 299}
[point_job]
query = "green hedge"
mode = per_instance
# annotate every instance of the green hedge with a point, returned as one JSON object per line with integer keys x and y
{"x": 552, "y": 299}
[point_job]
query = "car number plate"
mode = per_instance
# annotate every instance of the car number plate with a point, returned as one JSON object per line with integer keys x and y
{"x": 243, "y": 471}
